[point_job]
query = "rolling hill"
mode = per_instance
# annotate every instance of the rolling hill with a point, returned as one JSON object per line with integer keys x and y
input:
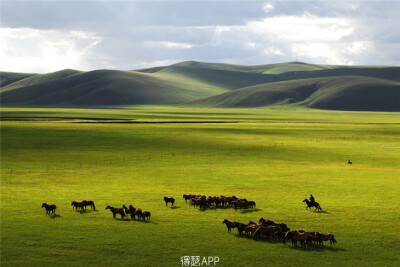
{"x": 7, "y": 78}
{"x": 212, "y": 84}
{"x": 40, "y": 79}
{"x": 337, "y": 93}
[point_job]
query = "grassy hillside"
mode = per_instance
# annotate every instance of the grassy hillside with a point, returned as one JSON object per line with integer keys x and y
{"x": 190, "y": 81}
{"x": 104, "y": 87}
{"x": 276, "y": 157}
{"x": 40, "y": 79}
{"x": 339, "y": 93}
{"x": 7, "y": 78}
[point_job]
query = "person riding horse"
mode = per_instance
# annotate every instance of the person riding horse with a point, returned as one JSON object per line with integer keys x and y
{"x": 312, "y": 200}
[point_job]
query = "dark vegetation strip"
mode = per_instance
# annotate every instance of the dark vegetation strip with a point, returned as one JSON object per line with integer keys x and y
{"x": 154, "y": 122}
{"x": 62, "y": 118}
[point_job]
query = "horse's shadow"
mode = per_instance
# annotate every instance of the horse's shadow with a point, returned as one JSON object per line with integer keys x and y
{"x": 257, "y": 239}
{"x": 126, "y": 219}
{"x": 251, "y": 210}
{"x": 86, "y": 211}
{"x": 321, "y": 211}
{"x": 54, "y": 216}
{"x": 174, "y": 207}
{"x": 318, "y": 248}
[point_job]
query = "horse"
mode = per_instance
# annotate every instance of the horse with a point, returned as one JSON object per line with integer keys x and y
{"x": 186, "y": 197}
{"x": 116, "y": 211}
{"x": 229, "y": 225}
{"x": 169, "y": 199}
{"x": 138, "y": 213}
{"x": 310, "y": 204}
{"x": 240, "y": 226}
{"x": 76, "y": 205}
{"x": 49, "y": 208}
{"x": 327, "y": 237}
{"x": 268, "y": 231}
{"x": 349, "y": 162}
{"x": 89, "y": 203}
{"x": 146, "y": 215}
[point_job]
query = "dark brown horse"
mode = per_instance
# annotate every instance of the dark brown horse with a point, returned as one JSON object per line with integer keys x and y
{"x": 89, "y": 203}
{"x": 312, "y": 204}
{"x": 77, "y": 205}
{"x": 116, "y": 211}
{"x": 229, "y": 225}
{"x": 146, "y": 215}
{"x": 169, "y": 199}
{"x": 50, "y": 209}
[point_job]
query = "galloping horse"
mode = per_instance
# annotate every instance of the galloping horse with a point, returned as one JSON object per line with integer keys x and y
{"x": 311, "y": 204}
{"x": 49, "y": 208}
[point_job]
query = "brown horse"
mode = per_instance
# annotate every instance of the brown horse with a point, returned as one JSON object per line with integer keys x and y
{"x": 268, "y": 231}
{"x": 49, "y": 208}
{"x": 116, "y": 211}
{"x": 240, "y": 226}
{"x": 328, "y": 237}
{"x": 169, "y": 199}
{"x": 229, "y": 225}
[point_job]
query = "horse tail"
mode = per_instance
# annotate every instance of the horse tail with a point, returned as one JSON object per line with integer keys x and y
{"x": 333, "y": 239}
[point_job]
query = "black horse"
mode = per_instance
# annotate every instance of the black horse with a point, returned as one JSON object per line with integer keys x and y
{"x": 49, "y": 208}
{"x": 169, "y": 199}
{"x": 312, "y": 204}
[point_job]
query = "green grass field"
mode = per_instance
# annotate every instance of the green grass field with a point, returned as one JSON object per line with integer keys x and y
{"x": 276, "y": 157}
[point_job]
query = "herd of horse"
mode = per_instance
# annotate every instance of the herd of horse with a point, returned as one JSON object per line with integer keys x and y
{"x": 204, "y": 202}
{"x": 264, "y": 229}
{"x": 132, "y": 211}
{"x": 269, "y": 230}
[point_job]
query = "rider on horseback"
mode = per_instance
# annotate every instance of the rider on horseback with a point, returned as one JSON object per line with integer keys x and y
{"x": 312, "y": 200}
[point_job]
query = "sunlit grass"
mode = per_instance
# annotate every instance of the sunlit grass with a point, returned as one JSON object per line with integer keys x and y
{"x": 276, "y": 157}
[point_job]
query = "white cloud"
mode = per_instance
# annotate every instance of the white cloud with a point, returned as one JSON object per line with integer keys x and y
{"x": 175, "y": 45}
{"x": 32, "y": 50}
{"x": 268, "y": 7}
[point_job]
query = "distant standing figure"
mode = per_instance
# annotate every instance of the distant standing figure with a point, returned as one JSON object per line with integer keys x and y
{"x": 312, "y": 200}
{"x": 349, "y": 162}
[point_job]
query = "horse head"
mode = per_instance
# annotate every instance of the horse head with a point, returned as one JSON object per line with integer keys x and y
{"x": 108, "y": 207}
{"x": 305, "y": 200}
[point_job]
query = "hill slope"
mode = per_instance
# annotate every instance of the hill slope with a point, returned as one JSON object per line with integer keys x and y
{"x": 292, "y": 82}
{"x": 40, "y": 79}
{"x": 102, "y": 87}
{"x": 7, "y": 78}
{"x": 339, "y": 93}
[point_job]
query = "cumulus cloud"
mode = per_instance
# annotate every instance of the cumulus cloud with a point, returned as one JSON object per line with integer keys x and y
{"x": 32, "y": 50}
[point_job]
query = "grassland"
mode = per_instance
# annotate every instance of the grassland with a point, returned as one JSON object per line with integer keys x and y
{"x": 276, "y": 157}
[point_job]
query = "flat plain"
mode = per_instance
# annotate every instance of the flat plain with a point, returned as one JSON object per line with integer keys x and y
{"x": 139, "y": 154}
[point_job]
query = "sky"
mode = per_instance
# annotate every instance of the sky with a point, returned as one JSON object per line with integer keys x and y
{"x": 45, "y": 36}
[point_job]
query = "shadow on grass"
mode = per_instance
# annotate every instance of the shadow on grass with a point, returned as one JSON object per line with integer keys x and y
{"x": 86, "y": 211}
{"x": 126, "y": 219}
{"x": 318, "y": 248}
{"x": 54, "y": 216}
{"x": 321, "y": 211}
{"x": 250, "y": 210}
{"x": 174, "y": 207}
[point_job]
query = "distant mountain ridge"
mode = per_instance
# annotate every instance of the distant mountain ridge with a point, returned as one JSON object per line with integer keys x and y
{"x": 211, "y": 84}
